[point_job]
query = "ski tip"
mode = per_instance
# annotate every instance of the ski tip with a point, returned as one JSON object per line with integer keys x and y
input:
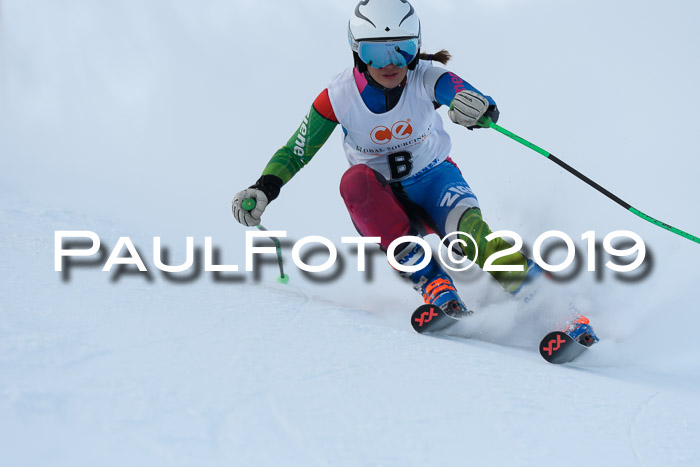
{"x": 425, "y": 317}
{"x": 558, "y": 347}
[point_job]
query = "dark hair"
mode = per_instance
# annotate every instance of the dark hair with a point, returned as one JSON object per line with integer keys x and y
{"x": 443, "y": 56}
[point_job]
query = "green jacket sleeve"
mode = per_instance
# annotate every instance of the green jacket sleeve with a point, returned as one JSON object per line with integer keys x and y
{"x": 314, "y": 131}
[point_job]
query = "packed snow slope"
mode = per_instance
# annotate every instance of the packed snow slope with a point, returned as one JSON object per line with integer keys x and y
{"x": 143, "y": 119}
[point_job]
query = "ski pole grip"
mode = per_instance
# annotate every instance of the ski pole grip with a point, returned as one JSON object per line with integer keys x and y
{"x": 248, "y": 204}
{"x": 484, "y": 122}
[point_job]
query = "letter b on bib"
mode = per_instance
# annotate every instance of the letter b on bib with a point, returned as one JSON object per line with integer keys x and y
{"x": 400, "y": 164}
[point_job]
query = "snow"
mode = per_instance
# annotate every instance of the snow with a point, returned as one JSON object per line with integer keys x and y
{"x": 144, "y": 119}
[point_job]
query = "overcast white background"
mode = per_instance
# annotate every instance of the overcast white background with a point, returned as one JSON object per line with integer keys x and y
{"x": 144, "y": 118}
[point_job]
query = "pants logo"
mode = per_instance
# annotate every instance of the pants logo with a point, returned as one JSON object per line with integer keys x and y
{"x": 426, "y": 317}
{"x": 551, "y": 346}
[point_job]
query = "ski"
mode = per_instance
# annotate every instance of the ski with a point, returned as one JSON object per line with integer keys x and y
{"x": 558, "y": 347}
{"x": 431, "y": 318}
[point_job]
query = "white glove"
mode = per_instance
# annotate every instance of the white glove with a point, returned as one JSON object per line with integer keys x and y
{"x": 467, "y": 108}
{"x": 249, "y": 218}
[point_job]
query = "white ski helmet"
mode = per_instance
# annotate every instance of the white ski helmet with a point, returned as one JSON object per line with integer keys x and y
{"x": 384, "y": 21}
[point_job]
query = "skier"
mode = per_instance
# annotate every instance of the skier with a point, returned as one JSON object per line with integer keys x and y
{"x": 402, "y": 180}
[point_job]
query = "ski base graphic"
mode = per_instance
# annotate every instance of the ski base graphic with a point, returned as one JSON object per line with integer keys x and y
{"x": 559, "y": 347}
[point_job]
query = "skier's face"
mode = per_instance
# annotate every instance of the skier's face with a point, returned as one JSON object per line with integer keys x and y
{"x": 390, "y": 76}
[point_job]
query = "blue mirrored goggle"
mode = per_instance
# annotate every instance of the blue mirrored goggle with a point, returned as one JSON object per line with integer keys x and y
{"x": 380, "y": 54}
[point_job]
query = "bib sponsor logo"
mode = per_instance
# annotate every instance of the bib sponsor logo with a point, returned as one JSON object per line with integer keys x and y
{"x": 400, "y": 130}
{"x": 381, "y": 135}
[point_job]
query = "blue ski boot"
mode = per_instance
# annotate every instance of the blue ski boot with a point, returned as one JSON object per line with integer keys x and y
{"x": 433, "y": 283}
{"x": 580, "y": 330}
{"x": 440, "y": 291}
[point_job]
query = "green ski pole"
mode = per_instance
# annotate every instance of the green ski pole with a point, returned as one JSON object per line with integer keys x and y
{"x": 249, "y": 205}
{"x": 486, "y": 122}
